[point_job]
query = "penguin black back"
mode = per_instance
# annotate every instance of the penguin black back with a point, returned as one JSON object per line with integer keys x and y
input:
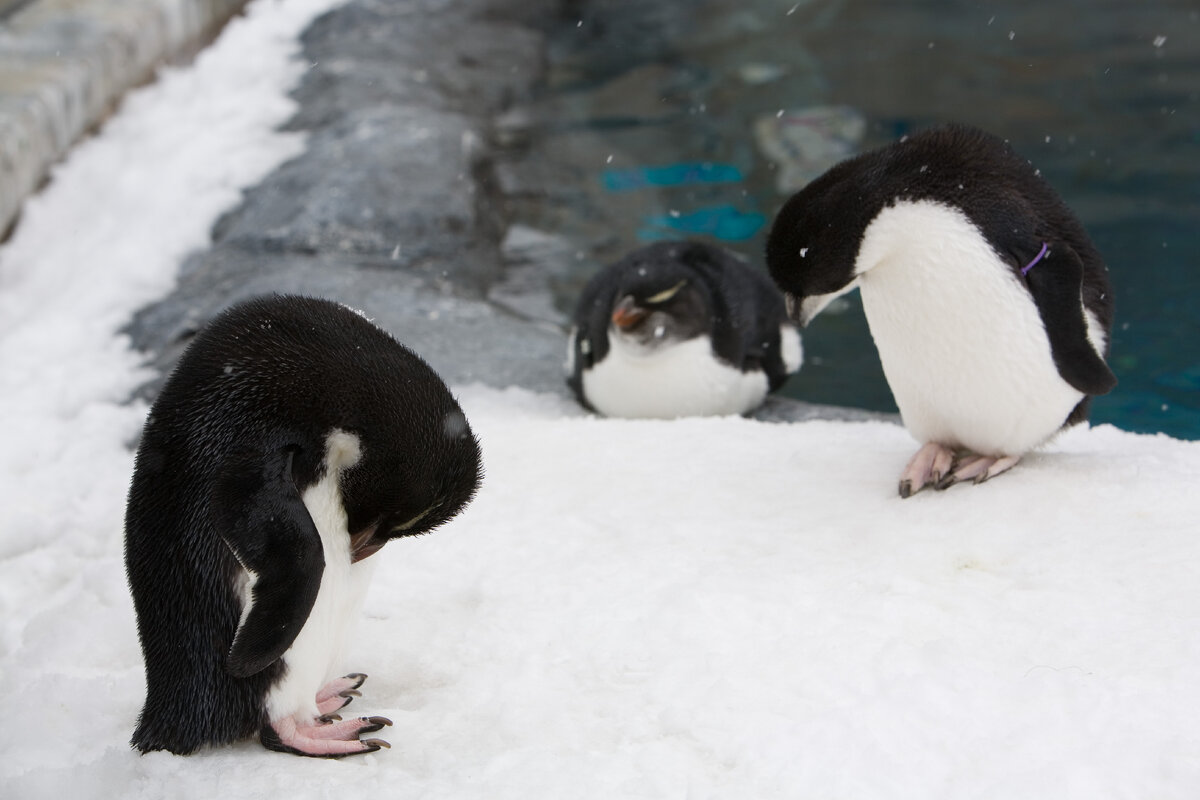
{"x": 236, "y": 435}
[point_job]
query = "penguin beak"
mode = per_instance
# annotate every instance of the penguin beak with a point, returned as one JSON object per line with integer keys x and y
{"x": 627, "y": 314}
{"x": 804, "y": 309}
{"x": 364, "y": 543}
{"x": 793, "y": 307}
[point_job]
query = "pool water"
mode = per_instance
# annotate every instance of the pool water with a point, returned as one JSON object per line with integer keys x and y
{"x": 698, "y": 119}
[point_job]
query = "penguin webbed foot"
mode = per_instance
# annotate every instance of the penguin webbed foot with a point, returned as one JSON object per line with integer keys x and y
{"x": 926, "y": 468}
{"x": 941, "y": 467}
{"x": 324, "y": 739}
{"x": 977, "y": 469}
{"x": 339, "y": 692}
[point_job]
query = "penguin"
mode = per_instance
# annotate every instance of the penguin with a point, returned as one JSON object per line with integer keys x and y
{"x": 989, "y": 305}
{"x": 678, "y": 329}
{"x": 292, "y": 441}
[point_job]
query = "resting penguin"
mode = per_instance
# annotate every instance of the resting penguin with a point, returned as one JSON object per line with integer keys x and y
{"x": 291, "y": 442}
{"x": 679, "y": 329}
{"x": 989, "y": 305}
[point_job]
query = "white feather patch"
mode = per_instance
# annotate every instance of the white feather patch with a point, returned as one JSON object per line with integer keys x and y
{"x": 316, "y": 655}
{"x": 675, "y": 379}
{"x": 791, "y": 349}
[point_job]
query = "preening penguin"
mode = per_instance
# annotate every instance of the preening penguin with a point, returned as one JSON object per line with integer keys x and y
{"x": 988, "y": 302}
{"x": 679, "y": 329}
{"x": 291, "y": 442}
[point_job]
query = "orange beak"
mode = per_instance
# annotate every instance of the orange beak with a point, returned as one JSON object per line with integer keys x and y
{"x": 626, "y": 314}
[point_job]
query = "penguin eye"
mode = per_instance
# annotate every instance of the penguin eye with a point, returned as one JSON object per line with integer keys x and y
{"x": 667, "y": 294}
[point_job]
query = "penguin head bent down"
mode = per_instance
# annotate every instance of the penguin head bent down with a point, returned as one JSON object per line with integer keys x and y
{"x": 813, "y": 246}
{"x": 338, "y": 393}
{"x": 428, "y": 490}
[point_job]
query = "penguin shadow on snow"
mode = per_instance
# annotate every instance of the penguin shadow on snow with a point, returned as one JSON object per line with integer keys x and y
{"x": 989, "y": 305}
{"x": 679, "y": 329}
{"x": 292, "y": 441}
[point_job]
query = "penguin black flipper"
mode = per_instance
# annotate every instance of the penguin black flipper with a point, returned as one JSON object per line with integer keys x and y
{"x": 265, "y": 523}
{"x": 1055, "y": 283}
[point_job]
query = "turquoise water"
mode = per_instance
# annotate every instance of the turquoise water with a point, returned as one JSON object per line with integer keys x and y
{"x": 658, "y": 111}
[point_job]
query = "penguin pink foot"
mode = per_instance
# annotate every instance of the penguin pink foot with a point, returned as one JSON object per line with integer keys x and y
{"x": 927, "y": 467}
{"x": 327, "y": 738}
{"x": 977, "y": 468}
{"x": 339, "y": 692}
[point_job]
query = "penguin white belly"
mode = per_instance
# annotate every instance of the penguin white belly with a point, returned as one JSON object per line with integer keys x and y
{"x": 679, "y": 379}
{"x": 962, "y": 344}
{"x": 316, "y": 656}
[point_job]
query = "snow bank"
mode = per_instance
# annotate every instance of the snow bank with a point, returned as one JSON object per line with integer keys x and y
{"x": 103, "y": 239}
{"x": 710, "y": 608}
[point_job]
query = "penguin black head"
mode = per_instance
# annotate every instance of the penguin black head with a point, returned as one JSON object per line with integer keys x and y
{"x": 659, "y": 298}
{"x": 346, "y": 395}
{"x": 402, "y": 493}
{"x": 813, "y": 243}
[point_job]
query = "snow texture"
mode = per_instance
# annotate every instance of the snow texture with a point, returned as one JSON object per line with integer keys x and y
{"x": 629, "y": 609}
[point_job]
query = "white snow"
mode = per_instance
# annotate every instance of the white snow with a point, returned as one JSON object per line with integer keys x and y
{"x": 629, "y": 609}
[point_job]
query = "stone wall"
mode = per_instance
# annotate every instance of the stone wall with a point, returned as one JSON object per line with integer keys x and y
{"x": 65, "y": 63}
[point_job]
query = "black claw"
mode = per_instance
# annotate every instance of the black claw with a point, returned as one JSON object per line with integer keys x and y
{"x": 328, "y": 718}
{"x": 350, "y": 694}
{"x": 357, "y": 677}
{"x": 906, "y": 488}
{"x": 946, "y": 482}
{"x": 375, "y": 744}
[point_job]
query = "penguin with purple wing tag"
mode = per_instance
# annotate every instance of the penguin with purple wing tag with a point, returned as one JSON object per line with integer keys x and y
{"x": 990, "y": 306}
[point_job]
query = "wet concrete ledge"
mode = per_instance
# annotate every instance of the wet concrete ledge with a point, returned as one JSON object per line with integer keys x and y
{"x": 64, "y": 64}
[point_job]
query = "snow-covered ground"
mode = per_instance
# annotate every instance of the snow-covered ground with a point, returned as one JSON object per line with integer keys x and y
{"x": 699, "y": 608}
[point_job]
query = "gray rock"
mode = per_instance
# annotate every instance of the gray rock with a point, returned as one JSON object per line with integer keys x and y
{"x": 391, "y": 209}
